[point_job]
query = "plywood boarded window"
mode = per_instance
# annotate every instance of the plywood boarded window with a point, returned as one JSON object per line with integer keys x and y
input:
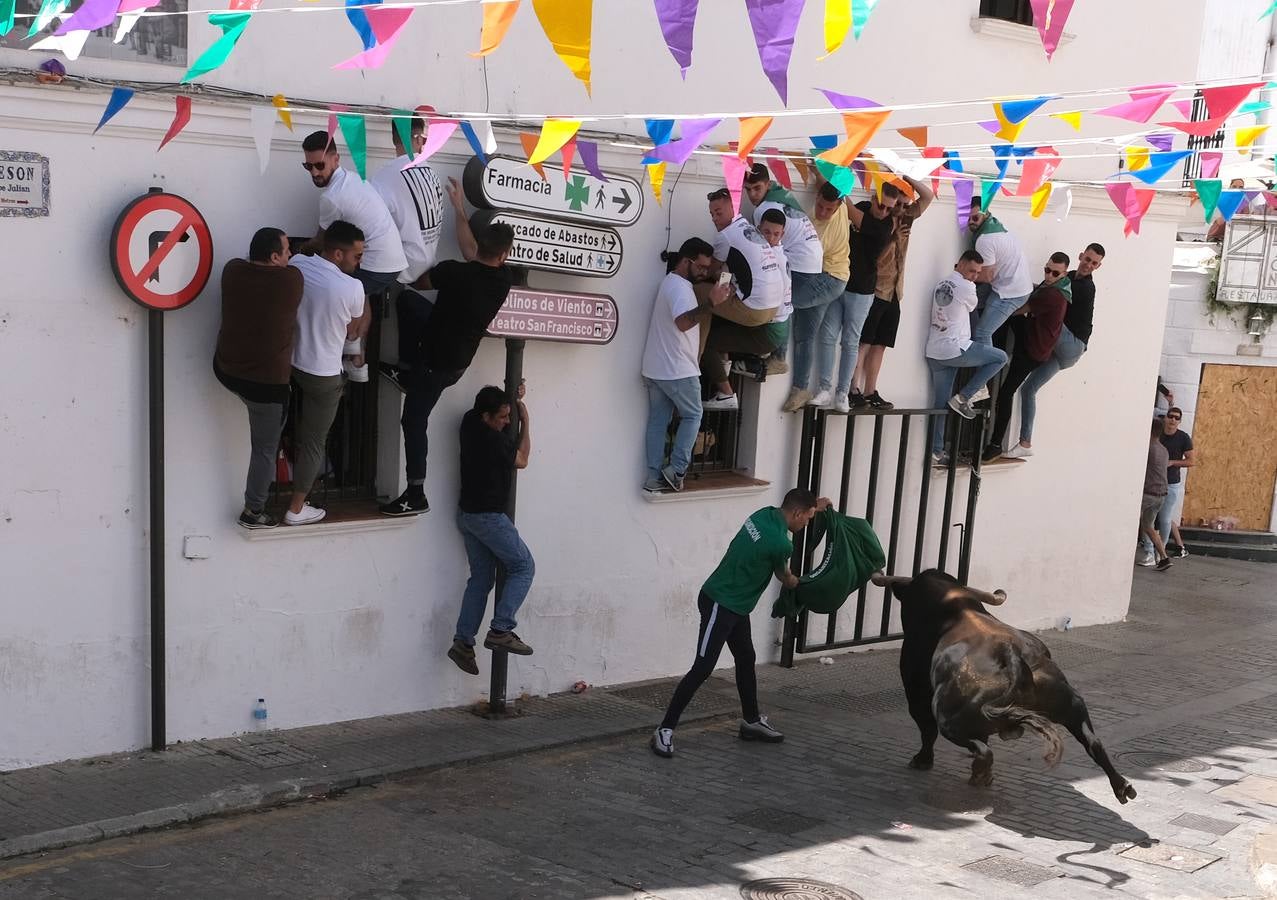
{"x": 1235, "y": 436}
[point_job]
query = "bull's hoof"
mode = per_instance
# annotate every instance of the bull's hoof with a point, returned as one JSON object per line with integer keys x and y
{"x": 1124, "y": 791}
{"x": 922, "y": 762}
{"x": 981, "y": 779}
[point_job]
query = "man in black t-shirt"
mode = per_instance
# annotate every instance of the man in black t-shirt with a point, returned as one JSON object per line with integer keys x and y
{"x": 471, "y": 293}
{"x": 1179, "y": 448}
{"x": 489, "y": 456}
{"x": 1074, "y": 337}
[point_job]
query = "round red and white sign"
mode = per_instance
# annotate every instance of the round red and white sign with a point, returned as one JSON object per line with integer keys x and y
{"x": 161, "y": 251}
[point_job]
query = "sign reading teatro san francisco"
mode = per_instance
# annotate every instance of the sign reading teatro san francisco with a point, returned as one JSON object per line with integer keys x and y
{"x": 507, "y": 183}
{"x": 560, "y": 316}
{"x": 590, "y": 250}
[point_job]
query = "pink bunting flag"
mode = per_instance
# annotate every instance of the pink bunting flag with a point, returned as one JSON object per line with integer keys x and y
{"x": 1223, "y": 100}
{"x": 437, "y": 133}
{"x": 678, "y": 19}
{"x": 781, "y": 173}
{"x": 774, "y": 23}
{"x": 1131, "y": 202}
{"x": 588, "y": 151}
{"x": 567, "y": 152}
{"x": 1050, "y": 17}
{"x": 1205, "y": 128}
{"x": 1185, "y": 107}
{"x": 1141, "y": 109}
{"x": 678, "y": 152}
{"x": 387, "y": 24}
{"x": 1210, "y": 161}
{"x": 963, "y": 191}
{"x": 734, "y": 175}
{"x": 1037, "y": 170}
{"x": 181, "y": 116}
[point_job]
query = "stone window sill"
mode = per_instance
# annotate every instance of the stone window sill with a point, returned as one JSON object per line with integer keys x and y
{"x": 1012, "y": 31}
{"x": 712, "y": 486}
{"x": 344, "y": 517}
{"x": 997, "y": 465}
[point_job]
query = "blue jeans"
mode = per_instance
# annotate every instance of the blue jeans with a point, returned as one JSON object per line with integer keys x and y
{"x": 1068, "y": 350}
{"x": 491, "y": 538}
{"x": 812, "y": 296}
{"x": 663, "y": 398}
{"x": 1172, "y": 508}
{"x": 996, "y": 312}
{"x": 846, "y": 314}
{"x": 988, "y": 362}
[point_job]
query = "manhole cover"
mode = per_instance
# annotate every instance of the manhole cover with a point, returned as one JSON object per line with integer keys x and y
{"x": 1163, "y": 762}
{"x": 268, "y": 754}
{"x": 1004, "y": 868}
{"x": 1204, "y": 823}
{"x": 795, "y": 889}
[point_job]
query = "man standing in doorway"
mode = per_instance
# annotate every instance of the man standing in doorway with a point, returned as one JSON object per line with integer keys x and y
{"x": 1074, "y": 338}
{"x": 471, "y": 293}
{"x": 333, "y": 311}
{"x": 761, "y": 549}
{"x": 489, "y": 457}
{"x": 254, "y": 355}
{"x": 1006, "y": 270}
{"x": 881, "y": 324}
{"x": 1179, "y": 451}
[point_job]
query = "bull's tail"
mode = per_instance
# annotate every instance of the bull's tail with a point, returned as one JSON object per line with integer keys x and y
{"x": 1007, "y": 718}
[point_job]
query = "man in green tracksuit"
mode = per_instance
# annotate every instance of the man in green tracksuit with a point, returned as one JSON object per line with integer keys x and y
{"x": 761, "y": 549}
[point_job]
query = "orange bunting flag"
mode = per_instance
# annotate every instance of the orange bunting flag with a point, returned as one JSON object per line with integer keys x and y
{"x": 529, "y": 142}
{"x": 800, "y": 163}
{"x": 554, "y": 134}
{"x": 916, "y": 136}
{"x": 280, "y": 102}
{"x": 752, "y": 129}
{"x": 1041, "y": 197}
{"x": 1247, "y": 136}
{"x": 861, "y": 127}
{"x": 567, "y": 24}
{"x": 496, "y": 22}
{"x": 656, "y": 178}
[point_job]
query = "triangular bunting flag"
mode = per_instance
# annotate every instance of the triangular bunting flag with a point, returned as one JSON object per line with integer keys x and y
{"x": 1038, "y": 170}
{"x": 1016, "y": 111}
{"x": 936, "y": 153}
{"x": 841, "y": 177}
{"x": 1246, "y": 136}
{"x": 1162, "y": 141}
{"x": 800, "y": 163}
{"x": 837, "y": 24}
{"x": 354, "y": 131}
{"x": 848, "y": 101}
{"x": 1136, "y": 158}
{"x": 1229, "y": 203}
{"x": 437, "y": 133}
{"x": 48, "y": 10}
{"x": 677, "y": 152}
{"x": 988, "y": 190}
{"x": 734, "y": 176}
{"x": 659, "y": 130}
{"x": 117, "y": 101}
{"x": 678, "y": 21}
{"x": 1041, "y": 197}
{"x": 280, "y": 102}
{"x": 963, "y": 191}
{"x": 1073, "y": 118}
{"x": 774, "y": 23}
{"x": 589, "y": 153}
{"x": 496, "y": 22}
{"x": 92, "y": 15}
{"x": 529, "y": 142}
{"x": 752, "y": 129}
{"x": 567, "y": 153}
{"x": 387, "y": 25}
{"x": 1221, "y": 101}
{"x": 554, "y": 134}
{"x": 181, "y": 116}
{"x": 1158, "y": 164}
{"x": 355, "y": 14}
{"x": 1050, "y": 16}
{"x": 916, "y": 135}
{"x": 1205, "y": 128}
{"x": 475, "y": 140}
{"x": 861, "y": 127}
{"x": 1208, "y": 191}
{"x": 656, "y": 178}
{"x": 1140, "y": 109}
{"x": 860, "y": 12}
{"x": 1209, "y": 161}
{"x": 567, "y": 25}
{"x": 70, "y": 46}
{"x": 232, "y": 25}
{"x": 262, "y": 122}
{"x": 780, "y": 172}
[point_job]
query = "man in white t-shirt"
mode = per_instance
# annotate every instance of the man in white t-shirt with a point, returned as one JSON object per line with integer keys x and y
{"x": 332, "y": 311}
{"x": 415, "y": 199}
{"x": 670, "y": 370}
{"x": 1006, "y": 270}
{"x": 741, "y": 250}
{"x": 950, "y": 346}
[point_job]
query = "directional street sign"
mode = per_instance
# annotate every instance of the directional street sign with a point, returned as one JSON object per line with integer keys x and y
{"x": 161, "y": 251}
{"x": 507, "y": 183}
{"x": 560, "y": 316}
{"x": 590, "y": 250}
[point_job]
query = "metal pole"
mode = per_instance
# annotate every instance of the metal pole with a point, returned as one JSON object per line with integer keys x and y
{"x": 789, "y": 634}
{"x": 501, "y": 658}
{"x": 973, "y": 496}
{"x": 155, "y": 379}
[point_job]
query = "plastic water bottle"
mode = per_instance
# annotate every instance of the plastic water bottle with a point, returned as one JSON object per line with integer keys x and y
{"x": 1066, "y": 623}
{"x": 259, "y": 713}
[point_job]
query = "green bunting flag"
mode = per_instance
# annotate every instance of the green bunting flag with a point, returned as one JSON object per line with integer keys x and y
{"x": 1208, "y": 192}
{"x": 354, "y": 133}
{"x": 6, "y": 16}
{"x": 232, "y": 25}
{"x": 403, "y": 128}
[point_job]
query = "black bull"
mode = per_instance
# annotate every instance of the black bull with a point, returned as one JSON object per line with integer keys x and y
{"x": 969, "y": 676}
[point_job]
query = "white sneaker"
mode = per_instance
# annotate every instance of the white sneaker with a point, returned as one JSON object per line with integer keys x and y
{"x": 662, "y": 742}
{"x": 1147, "y": 562}
{"x": 308, "y": 516}
{"x": 760, "y": 731}
{"x": 358, "y": 374}
{"x": 982, "y": 394}
{"x": 1019, "y": 451}
{"x": 798, "y": 398}
{"x": 822, "y": 399}
{"x": 842, "y": 403}
{"x": 721, "y": 403}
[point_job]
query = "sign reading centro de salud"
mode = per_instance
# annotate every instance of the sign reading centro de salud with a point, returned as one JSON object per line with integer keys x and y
{"x": 24, "y": 184}
{"x": 560, "y": 316}
{"x": 507, "y": 183}
{"x": 590, "y": 250}
{"x": 1248, "y": 269}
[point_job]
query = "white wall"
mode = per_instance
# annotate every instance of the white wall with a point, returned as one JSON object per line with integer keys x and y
{"x": 351, "y": 625}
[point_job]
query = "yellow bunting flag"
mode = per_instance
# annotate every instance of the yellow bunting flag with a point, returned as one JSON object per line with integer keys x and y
{"x": 1136, "y": 158}
{"x": 1073, "y": 118}
{"x": 529, "y": 142}
{"x": 554, "y": 134}
{"x": 752, "y": 129}
{"x": 837, "y": 24}
{"x": 496, "y": 22}
{"x": 280, "y": 102}
{"x": 1041, "y": 197}
{"x": 916, "y": 136}
{"x": 1010, "y": 131}
{"x": 861, "y": 127}
{"x": 656, "y": 177}
{"x": 567, "y": 24}
{"x": 1247, "y": 136}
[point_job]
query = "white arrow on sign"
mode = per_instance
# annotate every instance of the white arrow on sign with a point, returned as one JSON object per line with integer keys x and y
{"x": 590, "y": 250}
{"x": 507, "y": 183}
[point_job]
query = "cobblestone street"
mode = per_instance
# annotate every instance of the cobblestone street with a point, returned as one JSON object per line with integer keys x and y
{"x": 1182, "y": 694}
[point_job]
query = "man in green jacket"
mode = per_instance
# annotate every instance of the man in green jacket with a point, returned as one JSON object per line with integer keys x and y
{"x": 762, "y": 548}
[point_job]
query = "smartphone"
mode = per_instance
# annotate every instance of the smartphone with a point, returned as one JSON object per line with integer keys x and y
{"x": 724, "y": 277}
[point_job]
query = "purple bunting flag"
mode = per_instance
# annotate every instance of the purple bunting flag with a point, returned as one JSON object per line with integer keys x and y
{"x": 774, "y": 23}
{"x": 962, "y": 192}
{"x": 588, "y": 153}
{"x": 678, "y": 17}
{"x": 677, "y": 152}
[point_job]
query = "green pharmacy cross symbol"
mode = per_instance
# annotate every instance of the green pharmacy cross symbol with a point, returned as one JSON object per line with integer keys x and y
{"x": 576, "y": 192}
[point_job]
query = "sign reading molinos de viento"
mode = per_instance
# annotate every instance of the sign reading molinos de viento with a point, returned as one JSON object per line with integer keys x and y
{"x": 561, "y": 316}
{"x": 507, "y": 183}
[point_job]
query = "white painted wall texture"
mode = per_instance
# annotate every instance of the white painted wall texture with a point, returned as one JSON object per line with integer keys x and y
{"x": 352, "y": 625}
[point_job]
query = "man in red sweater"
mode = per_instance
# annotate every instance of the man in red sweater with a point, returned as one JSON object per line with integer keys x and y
{"x": 1035, "y": 337}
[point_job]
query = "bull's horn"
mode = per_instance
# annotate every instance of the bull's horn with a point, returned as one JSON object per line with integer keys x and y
{"x": 882, "y": 580}
{"x": 997, "y": 598}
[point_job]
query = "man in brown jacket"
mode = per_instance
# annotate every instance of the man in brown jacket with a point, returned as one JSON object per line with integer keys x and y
{"x": 260, "y": 296}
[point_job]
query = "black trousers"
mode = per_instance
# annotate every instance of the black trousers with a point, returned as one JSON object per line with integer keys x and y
{"x": 422, "y": 389}
{"x": 413, "y": 313}
{"x": 1020, "y": 367}
{"x": 719, "y": 626}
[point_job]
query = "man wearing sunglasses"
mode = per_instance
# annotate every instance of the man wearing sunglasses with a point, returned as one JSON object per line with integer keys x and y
{"x": 1179, "y": 450}
{"x": 346, "y": 198}
{"x": 1037, "y": 325}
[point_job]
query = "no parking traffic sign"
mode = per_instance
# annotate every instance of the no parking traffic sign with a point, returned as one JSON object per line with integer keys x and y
{"x": 161, "y": 251}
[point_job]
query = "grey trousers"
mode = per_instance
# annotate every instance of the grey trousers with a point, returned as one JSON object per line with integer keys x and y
{"x": 265, "y": 424}
{"x": 315, "y": 414}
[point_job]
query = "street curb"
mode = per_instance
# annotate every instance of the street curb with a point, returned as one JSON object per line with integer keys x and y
{"x": 271, "y": 794}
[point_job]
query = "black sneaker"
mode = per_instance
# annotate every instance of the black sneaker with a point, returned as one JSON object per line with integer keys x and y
{"x": 991, "y": 453}
{"x": 393, "y": 374}
{"x": 857, "y": 400}
{"x": 508, "y": 641}
{"x": 409, "y": 503}
{"x": 1180, "y": 553}
{"x": 1163, "y": 564}
{"x": 462, "y": 654}
{"x": 261, "y": 519}
{"x": 875, "y": 400}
